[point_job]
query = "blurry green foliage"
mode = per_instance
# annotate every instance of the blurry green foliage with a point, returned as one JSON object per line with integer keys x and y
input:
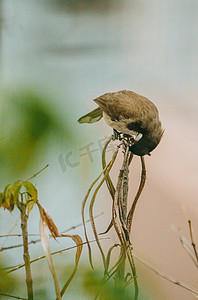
{"x": 110, "y": 290}
{"x": 13, "y": 284}
{"x": 78, "y": 6}
{"x": 7, "y": 281}
{"x": 29, "y": 126}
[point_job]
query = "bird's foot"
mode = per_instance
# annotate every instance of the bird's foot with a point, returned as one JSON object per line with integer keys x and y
{"x": 117, "y": 135}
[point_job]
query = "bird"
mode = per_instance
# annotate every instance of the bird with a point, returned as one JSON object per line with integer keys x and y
{"x": 132, "y": 115}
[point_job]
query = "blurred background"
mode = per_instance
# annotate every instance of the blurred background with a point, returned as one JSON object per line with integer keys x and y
{"x": 55, "y": 57}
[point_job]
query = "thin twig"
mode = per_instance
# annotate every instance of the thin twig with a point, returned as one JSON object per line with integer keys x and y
{"x": 38, "y": 240}
{"x": 11, "y": 296}
{"x": 10, "y": 230}
{"x": 192, "y": 240}
{"x": 169, "y": 278}
{"x": 38, "y": 172}
{"x": 186, "y": 244}
{"x": 17, "y": 235}
{"x": 16, "y": 268}
{"x": 81, "y": 224}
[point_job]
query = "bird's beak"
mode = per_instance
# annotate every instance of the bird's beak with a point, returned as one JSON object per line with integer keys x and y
{"x": 138, "y": 137}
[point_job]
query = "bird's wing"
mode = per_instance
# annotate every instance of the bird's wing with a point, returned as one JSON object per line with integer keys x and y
{"x": 128, "y": 105}
{"x": 92, "y": 117}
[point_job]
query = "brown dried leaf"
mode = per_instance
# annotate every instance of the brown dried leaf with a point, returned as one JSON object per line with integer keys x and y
{"x": 77, "y": 239}
{"x": 109, "y": 255}
{"x": 44, "y": 234}
{"x": 48, "y": 221}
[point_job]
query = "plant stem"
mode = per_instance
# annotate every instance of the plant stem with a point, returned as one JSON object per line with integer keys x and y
{"x": 122, "y": 192}
{"x": 26, "y": 256}
{"x": 134, "y": 204}
{"x": 120, "y": 273}
{"x": 192, "y": 240}
{"x": 120, "y": 201}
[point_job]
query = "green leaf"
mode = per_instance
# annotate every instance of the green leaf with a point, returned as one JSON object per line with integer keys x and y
{"x": 1, "y": 198}
{"x": 16, "y": 189}
{"x": 30, "y": 205}
{"x": 31, "y": 195}
{"x": 11, "y": 194}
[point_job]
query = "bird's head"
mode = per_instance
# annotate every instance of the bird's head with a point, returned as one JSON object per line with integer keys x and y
{"x": 144, "y": 146}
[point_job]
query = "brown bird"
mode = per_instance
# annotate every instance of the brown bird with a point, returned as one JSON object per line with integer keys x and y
{"x": 132, "y": 115}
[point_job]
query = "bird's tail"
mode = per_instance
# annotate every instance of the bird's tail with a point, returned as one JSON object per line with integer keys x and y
{"x": 92, "y": 117}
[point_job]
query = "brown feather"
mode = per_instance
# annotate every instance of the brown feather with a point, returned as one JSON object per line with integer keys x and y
{"x": 128, "y": 105}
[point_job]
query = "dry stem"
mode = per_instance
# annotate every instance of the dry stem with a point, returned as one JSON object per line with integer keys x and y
{"x": 134, "y": 204}
{"x": 120, "y": 221}
{"x": 192, "y": 240}
{"x": 26, "y": 256}
{"x": 106, "y": 172}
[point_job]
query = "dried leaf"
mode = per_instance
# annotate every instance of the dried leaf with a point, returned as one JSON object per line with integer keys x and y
{"x": 106, "y": 173}
{"x": 48, "y": 221}
{"x": 83, "y": 217}
{"x": 46, "y": 247}
{"x": 109, "y": 182}
{"x": 109, "y": 255}
{"x": 77, "y": 239}
{"x": 108, "y": 228}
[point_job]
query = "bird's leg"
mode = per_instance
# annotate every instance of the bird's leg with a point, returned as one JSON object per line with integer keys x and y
{"x": 116, "y": 135}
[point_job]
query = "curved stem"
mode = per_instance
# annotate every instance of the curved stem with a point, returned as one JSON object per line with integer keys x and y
{"x": 106, "y": 173}
{"x": 141, "y": 186}
{"x": 83, "y": 213}
{"x": 108, "y": 180}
